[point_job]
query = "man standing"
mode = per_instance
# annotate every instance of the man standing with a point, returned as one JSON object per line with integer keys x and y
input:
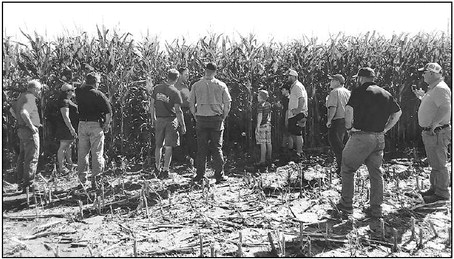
{"x": 434, "y": 116}
{"x": 166, "y": 115}
{"x": 373, "y": 112}
{"x": 297, "y": 111}
{"x": 209, "y": 102}
{"x": 26, "y": 113}
{"x": 95, "y": 115}
{"x": 188, "y": 144}
{"x": 337, "y": 100}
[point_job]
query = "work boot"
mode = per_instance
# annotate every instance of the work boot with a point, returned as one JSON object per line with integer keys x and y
{"x": 428, "y": 192}
{"x": 343, "y": 208}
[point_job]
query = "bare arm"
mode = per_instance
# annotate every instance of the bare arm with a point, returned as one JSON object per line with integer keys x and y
{"x": 331, "y": 112}
{"x": 348, "y": 117}
{"x": 227, "y": 106}
{"x": 259, "y": 119}
{"x": 192, "y": 101}
{"x": 152, "y": 112}
{"x": 180, "y": 117}
{"x": 106, "y": 125}
{"x": 392, "y": 120}
{"x": 65, "y": 114}
{"x": 299, "y": 109}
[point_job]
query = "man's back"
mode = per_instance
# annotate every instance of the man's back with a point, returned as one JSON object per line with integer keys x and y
{"x": 92, "y": 103}
{"x": 166, "y": 97}
{"x": 210, "y": 96}
{"x": 372, "y": 106}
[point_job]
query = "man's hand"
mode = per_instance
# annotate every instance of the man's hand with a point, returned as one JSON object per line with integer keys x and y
{"x": 73, "y": 132}
{"x": 106, "y": 127}
{"x": 418, "y": 92}
{"x": 183, "y": 129}
{"x": 328, "y": 124}
{"x": 432, "y": 130}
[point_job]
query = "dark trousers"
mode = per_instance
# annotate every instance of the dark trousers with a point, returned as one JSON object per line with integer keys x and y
{"x": 209, "y": 138}
{"x": 336, "y": 136}
{"x": 27, "y": 161}
{"x": 188, "y": 141}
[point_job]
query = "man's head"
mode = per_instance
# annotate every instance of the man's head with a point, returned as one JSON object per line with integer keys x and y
{"x": 262, "y": 95}
{"x": 365, "y": 74}
{"x": 292, "y": 75}
{"x": 34, "y": 87}
{"x": 184, "y": 73}
{"x": 210, "y": 69}
{"x": 285, "y": 89}
{"x": 337, "y": 80}
{"x": 172, "y": 75}
{"x": 93, "y": 79}
{"x": 431, "y": 72}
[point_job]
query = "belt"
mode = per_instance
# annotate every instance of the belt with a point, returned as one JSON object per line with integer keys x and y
{"x": 436, "y": 129}
{"x": 87, "y": 120}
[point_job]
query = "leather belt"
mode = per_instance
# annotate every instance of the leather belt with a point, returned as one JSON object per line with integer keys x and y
{"x": 436, "y": 129}
{"x": 87, "y": 120}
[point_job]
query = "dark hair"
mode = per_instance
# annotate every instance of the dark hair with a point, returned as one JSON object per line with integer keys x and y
{"x": 173, "y": 74}
{"x": 182, "y": 69}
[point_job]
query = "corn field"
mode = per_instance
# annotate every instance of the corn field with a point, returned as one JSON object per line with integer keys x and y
{"x": 130, "y": 68}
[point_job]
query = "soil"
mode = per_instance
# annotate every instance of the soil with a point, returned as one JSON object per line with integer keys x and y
{"x": 283, "y": 210}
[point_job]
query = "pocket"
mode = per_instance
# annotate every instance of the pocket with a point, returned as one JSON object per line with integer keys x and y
{"x": 429, "y": 140}
{"x": 444, "y": 137}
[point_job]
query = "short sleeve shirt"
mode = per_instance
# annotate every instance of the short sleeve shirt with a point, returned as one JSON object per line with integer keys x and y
{"x": 372, "y": 106}
{"x": 438, "y": 96}
{"x": 27, "y": 101}
{"x": 338, "y": 97}
{"x": 92, "y": 103}
{"x": 210, "y": 95}
{"x": 166, "y": 96}
{"x": 265, "y": 109}
{"x": 297, "y": 91}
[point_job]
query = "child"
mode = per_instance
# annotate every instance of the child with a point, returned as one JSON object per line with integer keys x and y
{"x": 263, "y": 129}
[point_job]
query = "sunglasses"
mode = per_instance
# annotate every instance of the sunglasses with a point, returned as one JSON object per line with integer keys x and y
{"x": 69, "y": 90}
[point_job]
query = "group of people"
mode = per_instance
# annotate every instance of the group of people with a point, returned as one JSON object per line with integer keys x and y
{"x": 87, "y": 121}
{"x": 364, "y": 114}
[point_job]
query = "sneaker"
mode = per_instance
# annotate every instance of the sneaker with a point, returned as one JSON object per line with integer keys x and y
{"x": 428, "y": 192}
{"x": 433, "y": 198}
{"x": 342, "y": 208}
{"x": 221, "y": 179}
{"x": 373, "y": 213}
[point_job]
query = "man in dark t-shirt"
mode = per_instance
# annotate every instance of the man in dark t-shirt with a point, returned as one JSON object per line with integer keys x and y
{"x": 374, "y": 112}
{"x": 95, "y": 113}
{"x": 166, "y": 115}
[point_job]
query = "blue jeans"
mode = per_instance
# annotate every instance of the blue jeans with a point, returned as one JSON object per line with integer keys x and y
{"x": 336, "y": 134}
{"x": 437, "y": 155}
{"x": 27, "y": 161}
{"x": 363, "y": 147}
{"x": 209, "y": 137}
{"x": 91, "y": 137}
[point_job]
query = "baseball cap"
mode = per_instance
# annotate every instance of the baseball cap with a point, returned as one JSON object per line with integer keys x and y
{"x": 291, "y": 72}
{"x": 337, "y": 77}
{"x": 432, "y": 67}
{"x": 211, "y": 66}
{"x": 366, "y": 72}
{"x": 65, "y": 87}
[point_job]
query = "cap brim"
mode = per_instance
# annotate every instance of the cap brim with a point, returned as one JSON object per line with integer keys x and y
{"x": 421, "y": 69}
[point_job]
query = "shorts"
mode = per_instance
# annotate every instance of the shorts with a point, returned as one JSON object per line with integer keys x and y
{"x": 263, "y": 135}
{"x": 166, "y": 130}
{"x": 296, "y": 124}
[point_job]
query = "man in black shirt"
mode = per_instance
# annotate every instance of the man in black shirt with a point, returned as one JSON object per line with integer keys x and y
{"x": 94, "y": 119}
{"x": 373, "y": 112}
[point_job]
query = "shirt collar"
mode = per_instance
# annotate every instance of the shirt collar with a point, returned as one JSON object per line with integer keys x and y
{"x": 367, "y": 84}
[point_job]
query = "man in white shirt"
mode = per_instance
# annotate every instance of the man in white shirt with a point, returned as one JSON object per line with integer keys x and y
{"x": 434, "y": 116}
{"x": 297, "y": 110}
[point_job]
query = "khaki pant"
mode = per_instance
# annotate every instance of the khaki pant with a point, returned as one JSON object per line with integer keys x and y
{"x": 27, "y": 161}
{"x": 91, "y": 137}
{"x": 363, "y": 148}
{"x": 437, "y": 155}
